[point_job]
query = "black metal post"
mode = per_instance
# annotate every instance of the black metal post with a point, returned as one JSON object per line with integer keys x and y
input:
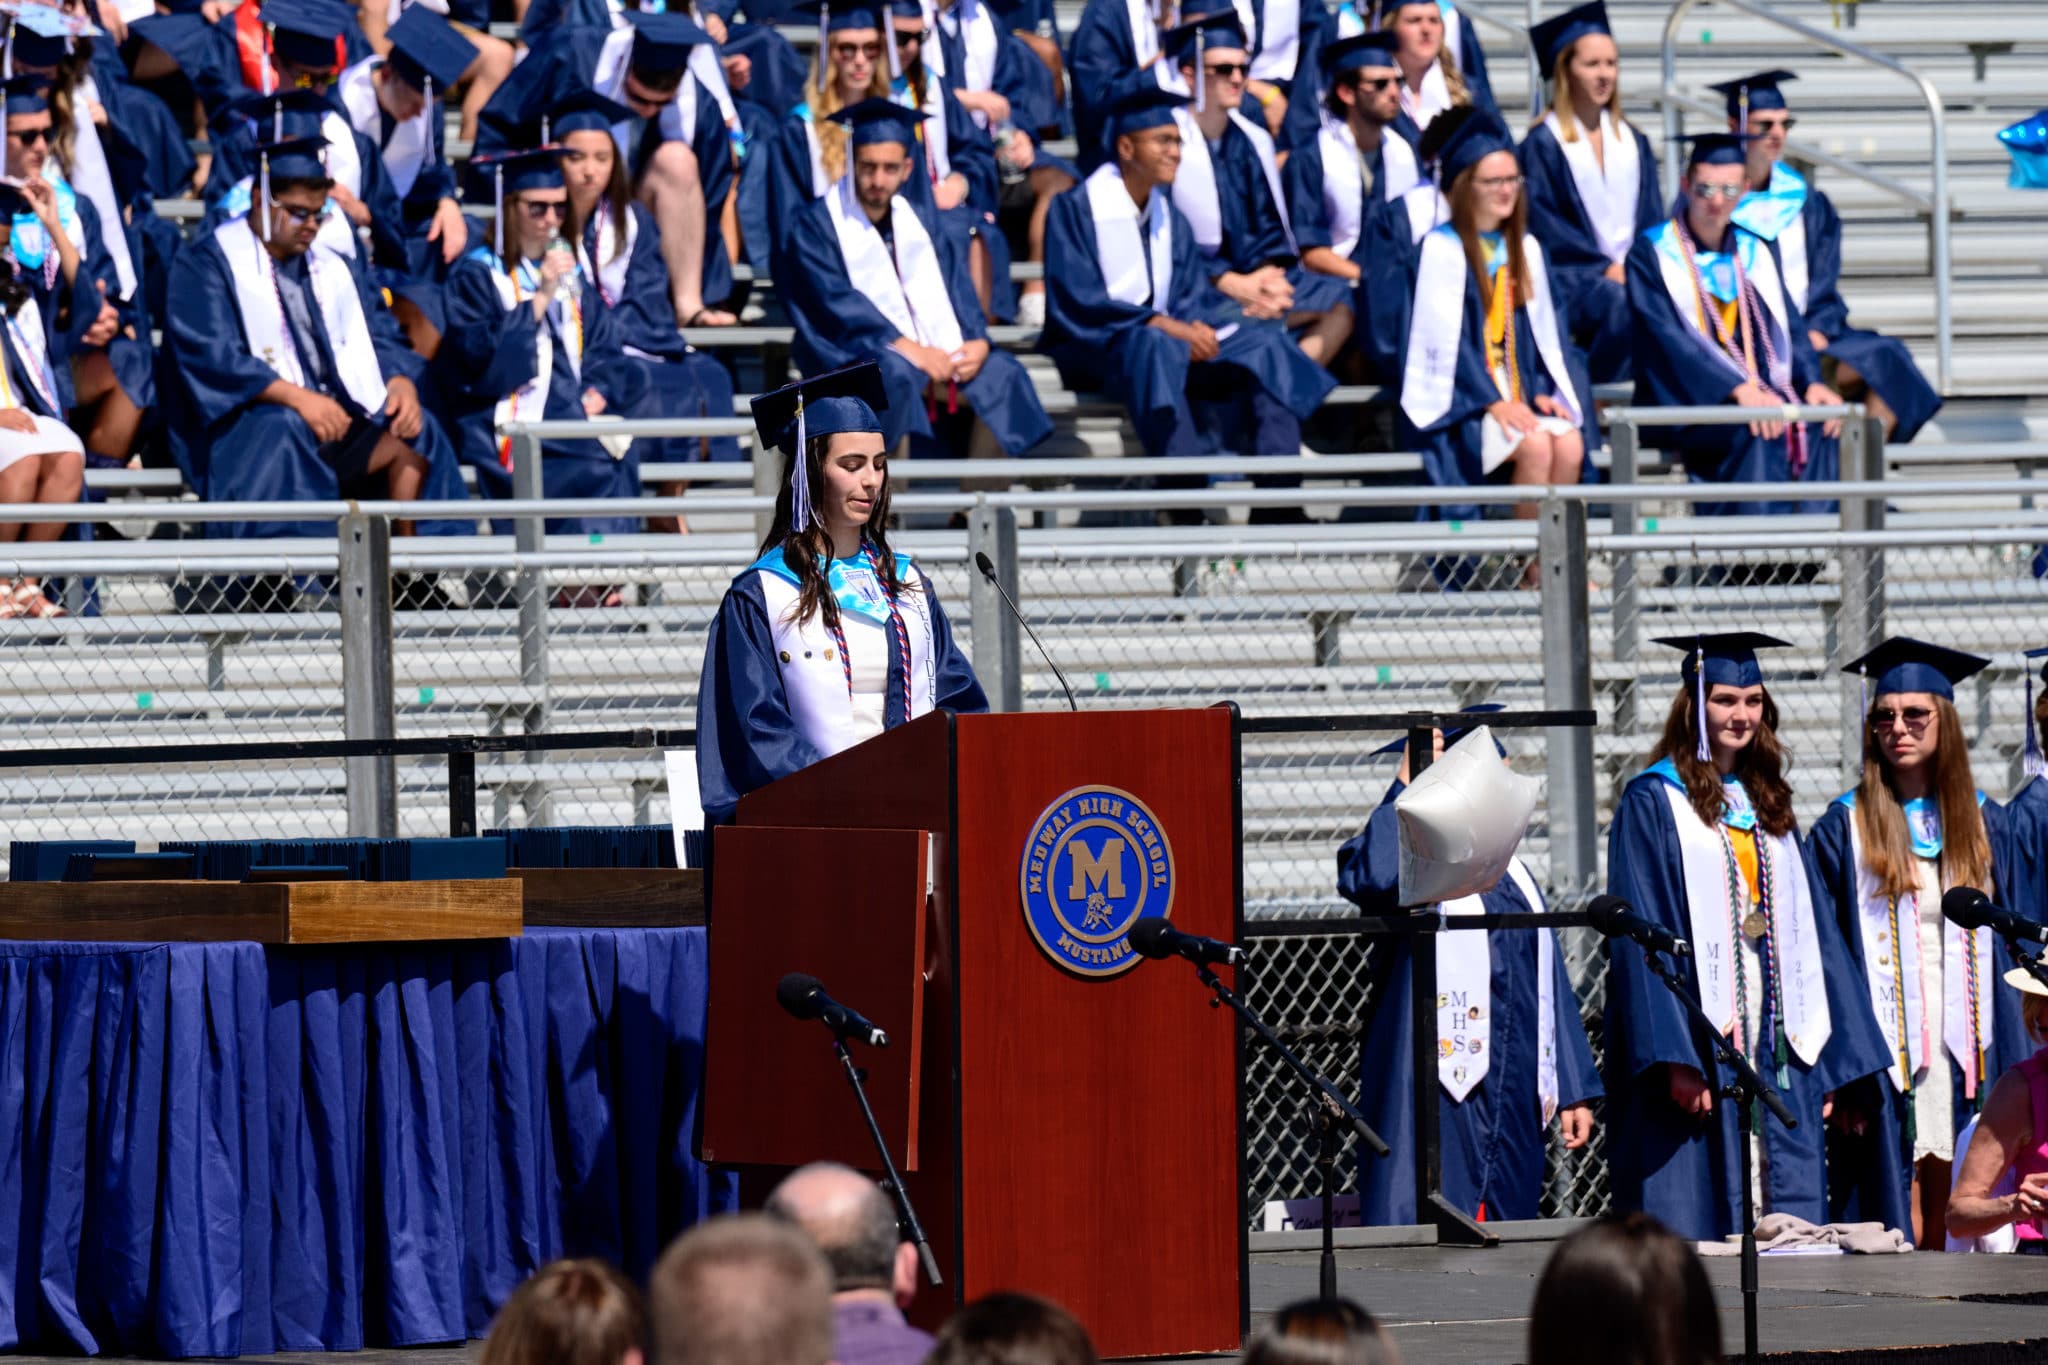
{"x": 461, "y": 789}
{"x": 1322, "y": 1122}
{"x": 906, "y": 1216}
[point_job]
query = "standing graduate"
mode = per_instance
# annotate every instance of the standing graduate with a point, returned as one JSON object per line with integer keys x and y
{"x": 1714, "y": 324}
{"x": 528, "y": 341}
{"x": 2028, "y": 808}
{"x": 1883, "y": 856}
{"x": 1704, "y": 844}
{"x": 1515, "y": 1054}
{"x": 1229, "y": 190}
{"x": 1486, "y": 383}
{"x": 285, "y": 379}
{"x": 830, "y": 637}
{"x": 1592, "y": 185}
{"x": 874, "y": 278}
{"x": 1130, "y": 312}
{"x": 1780, "y": 206}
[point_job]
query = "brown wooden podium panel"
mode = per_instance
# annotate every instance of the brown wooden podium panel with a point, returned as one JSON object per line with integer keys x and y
{"x": 260, "y": 912}
{"x": 775, "y": 1092}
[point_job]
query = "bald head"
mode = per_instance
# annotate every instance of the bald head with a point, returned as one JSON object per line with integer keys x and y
{"x": 745, "y": 1290}
{"x": 849, "y": 1218}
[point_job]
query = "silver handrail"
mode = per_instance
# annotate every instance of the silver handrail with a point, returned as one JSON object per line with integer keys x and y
{"x": 1937, "y": 122}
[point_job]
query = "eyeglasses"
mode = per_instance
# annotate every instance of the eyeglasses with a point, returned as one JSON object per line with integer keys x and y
{"x": 538, "y": 209}
{"x": 848, "y": 51}
{"x": 1916, "y": 718}
{"x": 1500, "y": 182}
{"x": 313, "y": 80}
{"x": 1763, "y": 126}
{"x": 1374, "y": 83}
{"x": 299, "y": 215}
{"x": 906, "y": 36}
{"x": 1228, "y": 70}
{"x": 1729, "y": 192}
{"x": 29, "y": 137}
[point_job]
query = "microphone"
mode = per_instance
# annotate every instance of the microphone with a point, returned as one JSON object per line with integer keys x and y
{"x": 804, "y": 997}
{"x": 1972, "y": 909}
{"x": 1155, "y": 937}
{"x": 1614, "y": 917}
{"x": 988, "y": 571}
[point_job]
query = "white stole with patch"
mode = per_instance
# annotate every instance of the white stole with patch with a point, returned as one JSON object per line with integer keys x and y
{"x": 813, "y": 678}
{"x": 1762, "y": 271}
{"x": 910, "y": 290}
{"x": 26, "y": 328}
{"x": 1464, "y": 1000}
{"x": 405, "y": 155}
{"x": 1194, "y": 185}
{"x": 1710, "y": 924}
{"x": 1436, "y": 329}
{"x": 1891, "y": 970}
{"x": 1608, "y": 192}
{"x": 1122, "y": 247}
{"x": 531, "y": 398}
{"x": 334, "y": 294}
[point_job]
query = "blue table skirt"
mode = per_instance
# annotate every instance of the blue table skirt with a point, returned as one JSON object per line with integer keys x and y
{"x": 218, "y": 1149}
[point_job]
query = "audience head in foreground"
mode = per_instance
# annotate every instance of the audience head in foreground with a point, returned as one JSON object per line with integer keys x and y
{"x": 579, "y": 1312}
{"x": 1012, "y": 1329}
{"x": 1624, "y": 1291}
{"x": 874, "y": 1271}
{"x": 746, "y": 1290}
{"x": 1321, "y": 1332}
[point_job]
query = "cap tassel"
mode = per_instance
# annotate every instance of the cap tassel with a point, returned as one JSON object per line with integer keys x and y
{"x": 498, "y": 213}
{"x": 800, "y": 513}
{"x": 269, "y": 72}
{"x": 7, "y": 54}
{"x": 1201, "y": 77}
{"x": 825, "y": 42}
{"x": 2036, "y": 765}
{"x": 263, "y": 194}
{"x": 890, "y": 47}
{"x": 1699, "y": 701}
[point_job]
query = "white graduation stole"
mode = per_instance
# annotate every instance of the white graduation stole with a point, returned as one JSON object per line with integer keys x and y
{"x": 1122, "y": 247}
{"x": 89, "y": 173}
{"x": 1144, "y": 33}
{"x": 1762, "y": 272}
{"x": 929, "y": 147}
{"x": 345, "y": 167}
{"x": 1424, "y": 104}
{"x": 910, "y": 290}
{"x": 1343, "y": 182}
{"x": 1427, "y": 210}
{"x": 1608, "y": 193}
{"x": 1269, "y": 167}
{"x": 1277, "y": 39}
{"x": 1194, "y": 185}
{"x": 607, "y": 274}
{"x": 821, "y": 184}
{"x": 26, "y": 328}
{"x": 405, "y": 155}
{"x": 1710, "y": 922}
{"x": 1437, "y": 325}
{"x": 532, "y": 396}
{"x": 334, "y": 294}
{"x": 814, "y": 678}
{"x": 1464, "y": 1000}
{"x": 678, "y": 119}
{"x": 1891, "y": 967}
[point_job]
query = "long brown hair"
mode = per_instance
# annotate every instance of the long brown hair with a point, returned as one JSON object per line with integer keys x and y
{"x": 580, "y": 1312}
{"x": 821, "y": 95}
{"x": 1464, "y": 217}
{"x": 64, "y": 83}
{"x": 1561, "y": 98}
{"x": 1881, "y": 817}
{"x": 616, "y": 196}
{"x": 1760, "y": 766}
{"x": 809, "y": 550}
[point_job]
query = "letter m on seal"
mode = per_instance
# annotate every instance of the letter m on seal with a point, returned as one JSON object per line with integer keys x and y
{"x": 1091, "y": 871}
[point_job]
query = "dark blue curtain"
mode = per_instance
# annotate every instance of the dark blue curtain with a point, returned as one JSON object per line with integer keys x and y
{"x": 222, "y": 1149}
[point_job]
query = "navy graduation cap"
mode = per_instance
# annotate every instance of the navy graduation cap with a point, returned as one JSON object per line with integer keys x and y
{"x": 285, "y": 110}
{"x": 1220, "y": 29}
{"x": 876, "y": 119}
{"x": 305, "y": 32}
{"x": 583, "y": 111}
{"x": 1359, "y": 50}
{"x": 1551, "y": 37}
{"x": 426, "y": 48}
{"x": 1901, "y": 664}
{"x": 41, "y": 35}
{"x": 845, "y": 399}
{"x": 1477, "y": 137}
{"x": 1724, "y": 658}
{"x": 538, "y": 168}
{"x": 1142, "y": 103}
{"x": 27, "y": 94}
{"x": 1754, "y": 92}
{"x": 662, "y": 40}
{"x": 1717, "y": 149}
{"x": 851, "y": 14}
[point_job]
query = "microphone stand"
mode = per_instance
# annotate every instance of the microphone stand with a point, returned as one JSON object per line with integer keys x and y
{"x": 2033, "y": 966}
{"x": 906, "y": 1216}
{"x": 1327, "y": 1110}
{"x": 1746, "y": 1088}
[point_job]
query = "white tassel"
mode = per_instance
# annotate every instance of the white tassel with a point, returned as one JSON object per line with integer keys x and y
{"x": 263, "y": 193}
{"x": 2036, "y": 765}
{"x": 800, "y": 512}
{"x": 1201, "y": 77}
{"x": 888, "y": 20}
{"x": 1699, "y": 702}
{"x": 498, "y": 213}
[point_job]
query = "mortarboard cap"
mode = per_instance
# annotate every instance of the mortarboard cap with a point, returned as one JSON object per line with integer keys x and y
{"x": 1359, "y": 50}
{"x": 298, "y": 112}
{"x": 294, "y": 158}
{"x": 844, "y": 15}
{"x": 585, "y": 111}
{"x": 1729, "y": 657}
{"x": 1220, "y": 29}
{"x": 1140, "y": 103}
{"x": 907, "y": 9}
{"x": 1906, "y": 665}
{"x": 1550, "y": 38}
{"x": 40, "y": 35}
{"x": 879, "y": 120}
{"x": 1400, "y": 746}
{"x": 1717, "y": 149}
{"x": 1754, "y": 92}
{"x": 425, "y": 46}
{"x": 1473, "y": 140}
{"x": 306, "y": 32}
{"x": 2036, "y": 765}
{"x": 538, "y": 168}
{"x": 841, "y": 400}
{"x": 662, "y": 40}
{"x": 27, "y": 94}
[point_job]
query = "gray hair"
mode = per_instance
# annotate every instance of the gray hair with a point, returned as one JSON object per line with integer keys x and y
{"x": 849, "y": 1218}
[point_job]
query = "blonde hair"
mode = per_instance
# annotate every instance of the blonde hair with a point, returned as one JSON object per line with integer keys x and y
{"x": 2034, "y": 1016}
{"x": 1881, "y": 819}
{"x": 1454, "y": 83}
{"x": 580, "y": 1312}
{"x": 1561, "y": 99}
{"x": 821, "y": 96}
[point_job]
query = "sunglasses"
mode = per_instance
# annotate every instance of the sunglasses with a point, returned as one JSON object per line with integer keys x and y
{"x": 537, "y": 209}
{"x": 299, "y": 215}
{"x": 1762, "y": 126}
{"x": 848, "y": 51}
{"x": 906, "y": 36}
{"x": 29, "y": 137}
{"x": 1228, "y": 70}
{"x": 1916, "y": 718}
{"x": 1374, "y": 83}
{"x": 313, "y": 80}
{"x": 1729, "y": 192}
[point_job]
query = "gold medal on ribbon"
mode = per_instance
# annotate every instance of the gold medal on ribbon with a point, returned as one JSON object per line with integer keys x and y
{"x": 1754, "y": 925}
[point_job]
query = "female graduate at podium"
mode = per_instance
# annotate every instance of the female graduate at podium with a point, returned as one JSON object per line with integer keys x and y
{"x": 830, "y": 637}
{"x": 1704, "y": 844}
{"x": 1883, "y": 855}
{"x": 1512, "y": 1058}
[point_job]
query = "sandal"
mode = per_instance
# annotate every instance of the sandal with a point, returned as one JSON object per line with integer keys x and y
{"x": 697, "y": 318}
{"x": 30, "y": 602}
{"x": 9, "y": 608}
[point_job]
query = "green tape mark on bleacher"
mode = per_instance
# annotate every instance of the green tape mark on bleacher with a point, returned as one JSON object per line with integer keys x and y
{"x": 426, "y": 696}
{"x": 1385, "y": 673}
{"x": 1102, "y": 682}
{"x": 144, "y": 700}
{"x": 597, "y": 537}
{"x": 1650, "y": 525}
{"x": 1706, "y": 35}
{"x": 1457, "y": 526}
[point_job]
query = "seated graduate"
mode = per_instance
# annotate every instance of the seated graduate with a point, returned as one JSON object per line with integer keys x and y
{"x": 527, "y": 341}
{"x": 1353, "y": 17}
{"x": 1592, "y": 185}
{"x": 1486, "y": 381}
{"x": 103, "y": 378}
{"x": 873, "y": 278}
{"x": 285, "y": 379}
{"x": 1287, "y": 38}
{"x": 41, "y": 459}
{"x": 1390, "y": 245}
{"x": 676, "y": 144}
{"x": 391, "y": 102}
{"x": 809, "y": 153}
{"x": 1781, "y": 207}
{"x": 618, "y": 252}
{"x": 1114, "y": 40}
{"x": 1352, "y": 167}
{"x": 1514, "y": 1049}
{"x": 830, "y": 637}
{"x": 1704, "y": 844}
{"x": 1714, "y": 324}
{"x": 484, "y": 67}
{"x": 1229, "y": 190}
{"x": 1432, "y": 79}
{"x": 1130, "y": 312}
{"x": 1883, "y": 856}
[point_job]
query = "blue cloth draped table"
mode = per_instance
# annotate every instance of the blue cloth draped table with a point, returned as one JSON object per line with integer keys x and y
{"x": 228, "y": 1148}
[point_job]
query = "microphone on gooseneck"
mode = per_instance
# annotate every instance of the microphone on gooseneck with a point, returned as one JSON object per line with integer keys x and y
{"x": 804, "y": 998}
{"x": 1616, "y": 918}
{"x": 1972, "y": 909}
{"x": 988, "y": 571}
{"x": 1154, "y": 937}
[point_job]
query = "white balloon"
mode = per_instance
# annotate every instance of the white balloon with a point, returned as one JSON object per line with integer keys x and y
{"x": 1461, "y": 822}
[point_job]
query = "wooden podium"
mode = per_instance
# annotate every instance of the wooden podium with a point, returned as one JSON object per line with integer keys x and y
{"x": 1066, "y": 1113}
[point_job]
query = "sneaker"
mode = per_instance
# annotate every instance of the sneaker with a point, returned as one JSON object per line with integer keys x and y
{"x": 1031, "y": 309}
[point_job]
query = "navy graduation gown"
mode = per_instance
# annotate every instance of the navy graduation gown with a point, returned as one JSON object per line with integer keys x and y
{"x": 1672, "y": 369}
{"x": 1870, "y": 1176}
{"x": 1102, "y": 51}
{"x": 680, "y": 380}
{"x": 1102, "y": 344}
{"x": 747, "y": 735}
{"x": 836, "y": 325}
{"x": 488, "y": 351}
{"x": 1594, "y": 307}
{"x": 1686, "y": 1170}
{"x": 2027, "y": 814}
{"x": 1495, "y": 1142}
{"x": 234, "y": 155}
{"x": 233, "y": 448}
{"x": 1389, "y": 256}
{"x": 1884, "y": 362}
